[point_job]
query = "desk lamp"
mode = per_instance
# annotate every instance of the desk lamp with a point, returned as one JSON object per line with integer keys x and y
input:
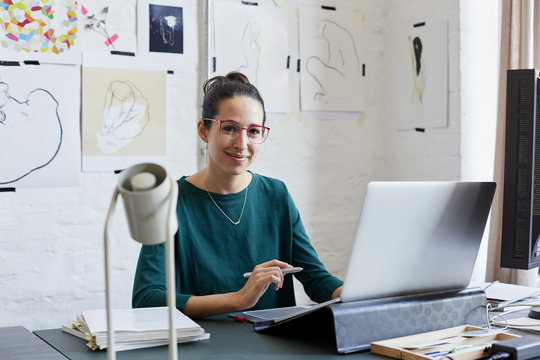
{"x": 150, "y": 197}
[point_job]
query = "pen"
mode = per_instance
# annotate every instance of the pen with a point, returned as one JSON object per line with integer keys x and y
{"x": 456, "y": 349}
{"x": 289, "y": 270}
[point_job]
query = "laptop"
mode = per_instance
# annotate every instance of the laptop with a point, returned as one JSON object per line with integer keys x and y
{"x": 412, "y": 238}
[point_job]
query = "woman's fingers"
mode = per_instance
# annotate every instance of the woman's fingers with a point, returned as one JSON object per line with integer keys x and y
{"x": 260, "y": 279}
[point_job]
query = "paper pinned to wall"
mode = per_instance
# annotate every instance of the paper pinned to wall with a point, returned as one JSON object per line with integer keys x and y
{"x": 40, "y": 30}
{"x": 254, "y": 41}
{"x": 109, "y": 25}
{"x": 123, "y": 117}
{"x": 421, "y": 74}
{"x": 39, "y": 120}
{"x": 165, "y": 35}
{"x": 331, "y": 74}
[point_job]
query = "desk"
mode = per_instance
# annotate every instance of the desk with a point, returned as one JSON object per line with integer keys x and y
{"x": 17, "y": 343}
{"x": 228, "y": 340}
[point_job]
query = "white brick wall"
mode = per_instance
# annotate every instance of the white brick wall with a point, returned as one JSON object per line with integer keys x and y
{"x": 51, "y": 257}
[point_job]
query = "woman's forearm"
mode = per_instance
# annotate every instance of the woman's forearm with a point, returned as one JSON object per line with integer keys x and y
{"x": 209, "y": 305}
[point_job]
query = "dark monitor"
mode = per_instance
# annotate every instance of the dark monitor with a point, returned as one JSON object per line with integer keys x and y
{"x": 520, "y": 245}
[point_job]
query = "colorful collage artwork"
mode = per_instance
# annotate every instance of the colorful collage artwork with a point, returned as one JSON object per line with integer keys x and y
{"x": 40, "y": 30}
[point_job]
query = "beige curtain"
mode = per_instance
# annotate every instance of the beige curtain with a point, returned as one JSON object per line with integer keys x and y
{"x": 520, "y": 49}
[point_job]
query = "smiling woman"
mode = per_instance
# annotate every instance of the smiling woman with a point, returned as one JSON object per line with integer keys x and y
{"x": 233, "y": 221}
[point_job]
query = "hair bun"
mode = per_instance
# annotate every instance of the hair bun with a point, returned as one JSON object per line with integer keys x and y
{"x": 237, "y": 77}
{"x": 233, "y": 76}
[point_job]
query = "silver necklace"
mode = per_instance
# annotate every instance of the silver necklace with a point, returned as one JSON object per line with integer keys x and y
{"x": 223, "y": 212}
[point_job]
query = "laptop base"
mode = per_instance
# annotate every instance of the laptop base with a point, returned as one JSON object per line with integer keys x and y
{"x": 353, "y": 326}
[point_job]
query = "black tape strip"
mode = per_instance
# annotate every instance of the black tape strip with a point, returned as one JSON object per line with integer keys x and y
{"x": 252, "y": 3}
{"x": 324, "y": 7}
{"x": 420, "y": 129}
{"x": 288, "y": 61}
{"x": 170, "y": 72}
{"x": 363, "y": 69}
{"x": 419, "y": 24}
{"x": 31, "y": 62}
{"x": 214, "y": 61}
{"x": 8, "y": 189}
{"x": 125, "y": 53}
{"x": 9, "y": 63}
{"x": 298, "y": 65}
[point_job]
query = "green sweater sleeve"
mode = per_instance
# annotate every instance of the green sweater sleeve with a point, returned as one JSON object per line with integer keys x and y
{"x": 149, "y": 287}
{"x": 318, "y": 283}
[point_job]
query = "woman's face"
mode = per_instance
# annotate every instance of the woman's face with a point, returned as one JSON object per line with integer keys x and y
{"x": 234, "y": 156}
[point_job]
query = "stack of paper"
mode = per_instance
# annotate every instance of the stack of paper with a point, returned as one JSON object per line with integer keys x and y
{"x": 134, "y": 328}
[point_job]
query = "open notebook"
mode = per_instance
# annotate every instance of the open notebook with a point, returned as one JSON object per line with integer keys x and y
{"x": 412, "y": 238}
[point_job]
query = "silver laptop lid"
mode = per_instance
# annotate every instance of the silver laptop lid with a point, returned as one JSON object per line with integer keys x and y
{"x": 416, "y": 237}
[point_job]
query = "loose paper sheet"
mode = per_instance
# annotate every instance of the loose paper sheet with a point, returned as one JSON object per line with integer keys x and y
{"x": 421, "y": 80}
{"x": 109, "y": 25}
{"x": 165, "y": 34}
{"x": 123, "y": 118}
{"x": 253, "y": 40}
{"x": 331, "y": 75}
{"x": 39, "y": 125}
{"x": 138, "y": 320}
{"x": 47, "y": 31}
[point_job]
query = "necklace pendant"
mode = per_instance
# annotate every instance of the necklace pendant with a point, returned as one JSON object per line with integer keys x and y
{"x": 235, "y": 223}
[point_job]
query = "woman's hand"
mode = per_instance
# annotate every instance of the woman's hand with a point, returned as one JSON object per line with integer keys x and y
{"x": 337, "y": 293}
{"x": 261, "y": 277}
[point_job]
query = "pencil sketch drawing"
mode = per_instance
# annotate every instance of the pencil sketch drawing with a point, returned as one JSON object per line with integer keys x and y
{"x": 98, "y": 24}
{"x": 337, "y": 72}
{"x": 418, "y": 71}
{"x": 251, "y": 51}
{"x": 30, "y": 133}
{"x": 124, "y": 117}
{"x": 166, "y": 29}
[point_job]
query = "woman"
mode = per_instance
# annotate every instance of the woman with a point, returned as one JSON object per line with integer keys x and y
{"x": 233, "y": 221}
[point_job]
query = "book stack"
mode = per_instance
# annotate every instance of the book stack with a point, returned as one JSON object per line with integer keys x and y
{"x": 134, "y": 328}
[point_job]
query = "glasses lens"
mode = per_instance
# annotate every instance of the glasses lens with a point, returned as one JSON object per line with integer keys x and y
{"x": 257, "y": 134}
{"x": 230, "y": 129}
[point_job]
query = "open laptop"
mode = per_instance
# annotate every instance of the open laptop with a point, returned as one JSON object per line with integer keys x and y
{"x": 412, "y": 238}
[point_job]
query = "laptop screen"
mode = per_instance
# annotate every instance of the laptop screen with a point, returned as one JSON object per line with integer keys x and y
{"x": 416, "y": 237}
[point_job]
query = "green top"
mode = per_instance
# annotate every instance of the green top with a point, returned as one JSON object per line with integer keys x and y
{"x": 212, "y": 254}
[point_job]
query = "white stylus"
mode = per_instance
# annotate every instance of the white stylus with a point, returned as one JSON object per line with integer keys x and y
{"x": 289, "y": 270}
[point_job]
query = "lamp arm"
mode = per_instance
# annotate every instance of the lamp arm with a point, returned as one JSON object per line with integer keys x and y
{"x": 171, "y": 288}
{"x": 111, "y": 353}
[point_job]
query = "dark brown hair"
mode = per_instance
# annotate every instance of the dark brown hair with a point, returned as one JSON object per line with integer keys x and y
{"x": 220, "y": 88}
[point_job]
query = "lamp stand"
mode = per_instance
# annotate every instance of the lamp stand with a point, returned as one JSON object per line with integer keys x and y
{"x": 169, "y": 263}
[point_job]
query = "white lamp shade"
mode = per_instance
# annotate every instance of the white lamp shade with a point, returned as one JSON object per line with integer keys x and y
{"x": 145, "y": 189}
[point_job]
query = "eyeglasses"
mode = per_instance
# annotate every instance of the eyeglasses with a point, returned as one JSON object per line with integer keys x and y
{"x": 230, "y": 129}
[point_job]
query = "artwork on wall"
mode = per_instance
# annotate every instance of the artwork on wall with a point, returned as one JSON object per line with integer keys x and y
{"x": 166, "y": 29}
{"x": 39, "y": 30}
{"x": 109, "y": 25}
{"x": 162, "y": 39}
{"x": 123, "y": 118}
{"x": 332, "y": 70}
{"x": 39, "y": 137}
{"x": 253, "y": 40}
{"x": 422, "y": 75}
